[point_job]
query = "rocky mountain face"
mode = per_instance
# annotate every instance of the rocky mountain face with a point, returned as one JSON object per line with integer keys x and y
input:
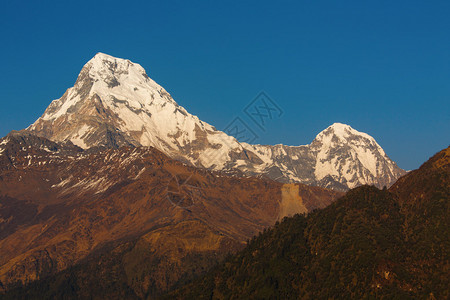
{"x": 114, "y": 103}
{"x": 157, "y": 220}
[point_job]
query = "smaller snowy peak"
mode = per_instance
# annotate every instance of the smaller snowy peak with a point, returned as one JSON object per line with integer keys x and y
{"x": 342, "y": 131}
{"x": 352, "y": 157}
{"x": 343, "y": 134}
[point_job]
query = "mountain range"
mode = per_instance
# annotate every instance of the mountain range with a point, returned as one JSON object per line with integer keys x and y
{"x": 118, "y": 181}
{"x": 115, "y": 103}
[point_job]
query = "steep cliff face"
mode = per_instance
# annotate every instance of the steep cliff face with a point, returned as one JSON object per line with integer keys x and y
{"x": 114, "y": 103}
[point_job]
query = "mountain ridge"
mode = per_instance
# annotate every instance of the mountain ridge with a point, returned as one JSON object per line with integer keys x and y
{"x": 115, "y": 103}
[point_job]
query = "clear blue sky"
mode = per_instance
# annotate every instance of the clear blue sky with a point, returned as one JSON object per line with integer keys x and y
{"x": 379, "y": 66}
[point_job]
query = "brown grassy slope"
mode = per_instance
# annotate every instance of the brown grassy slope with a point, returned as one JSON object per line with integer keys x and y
{"x": 57, "y": 208}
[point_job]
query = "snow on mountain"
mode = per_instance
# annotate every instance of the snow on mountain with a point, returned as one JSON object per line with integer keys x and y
{"x": 340, "y": 157}
{"x": 114, "y": 103}
{"x": 352, "y": 157}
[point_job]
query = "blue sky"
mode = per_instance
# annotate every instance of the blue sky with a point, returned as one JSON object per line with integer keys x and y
{"x": 379, "y": 66}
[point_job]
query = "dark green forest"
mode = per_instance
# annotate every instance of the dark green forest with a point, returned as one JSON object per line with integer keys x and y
{"x": 354, "y": 249}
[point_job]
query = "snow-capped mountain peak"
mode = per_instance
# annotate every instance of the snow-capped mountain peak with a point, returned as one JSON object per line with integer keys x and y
{"x": 350, "y": 156}
{"x": 115, "y": 103}
{"x": 343, "y": 132}
{"x": 120, "y": 79}
{"x": 109, "y": 72}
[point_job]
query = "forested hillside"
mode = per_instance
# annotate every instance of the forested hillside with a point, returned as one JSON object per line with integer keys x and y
{"x": 370, "y": 243}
